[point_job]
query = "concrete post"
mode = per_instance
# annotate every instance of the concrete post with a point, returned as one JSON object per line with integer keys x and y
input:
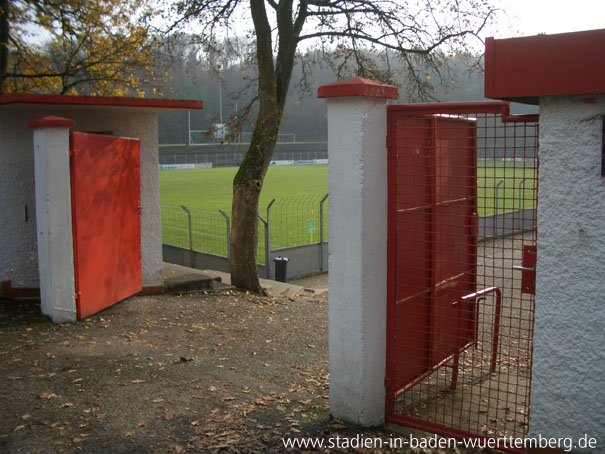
{"x": 53, "y": 217}
{"x": 357, "y": 153}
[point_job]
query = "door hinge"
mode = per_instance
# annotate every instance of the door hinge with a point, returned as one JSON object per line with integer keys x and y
{"x": 77, "y": 297}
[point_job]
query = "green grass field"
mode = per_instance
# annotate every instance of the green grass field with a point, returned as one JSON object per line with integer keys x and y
{"x": 211, "y": 189}
{"x": 298, "y": 191}
{"x": 295, "y": 215}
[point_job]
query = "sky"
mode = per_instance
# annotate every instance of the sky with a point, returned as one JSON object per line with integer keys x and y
{"x": 532, "y": 17}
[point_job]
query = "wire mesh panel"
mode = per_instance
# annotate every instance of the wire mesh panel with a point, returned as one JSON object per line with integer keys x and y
{"x": 208, "y": 231}
{"x": 297, "y": 220}
{"x": 462, "y": 250}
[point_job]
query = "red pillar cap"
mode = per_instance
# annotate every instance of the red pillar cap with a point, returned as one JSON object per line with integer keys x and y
{"x": 357, "y": 86}
{"x": 51, "y": 121}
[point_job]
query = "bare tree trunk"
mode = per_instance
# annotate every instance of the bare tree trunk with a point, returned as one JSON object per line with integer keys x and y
{"x": 274, "y": 78}
{"x": 247, "y": 186}
{"x": 4, "y": 37}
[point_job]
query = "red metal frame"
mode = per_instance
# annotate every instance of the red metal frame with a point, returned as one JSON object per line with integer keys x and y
{"x": 478, "y": 329}
{"x": 108, "y": 101}
{"x": 523, "y": 69}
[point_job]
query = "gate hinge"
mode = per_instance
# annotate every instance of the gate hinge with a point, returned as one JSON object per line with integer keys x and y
{"x": 77, "y": 297}
{"x": 71, "y": 153}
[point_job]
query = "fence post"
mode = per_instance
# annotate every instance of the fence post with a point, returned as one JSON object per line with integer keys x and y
{"x": 521, "y": 195}
{"x": 497, "y": 192}
{"x": 268, "y": 239}
{"x": 228, "y": 234}
{"x": 321, "y": 232}
{"x": 267, "y": 269}
{"x": 520, "y": 208}
{"x": 190, "y": 236}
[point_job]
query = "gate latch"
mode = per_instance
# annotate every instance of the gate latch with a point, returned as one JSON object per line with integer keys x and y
{"x": 528, "y": 269}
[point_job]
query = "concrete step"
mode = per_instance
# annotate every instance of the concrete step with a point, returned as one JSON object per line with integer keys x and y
{"x": 180, "y": 279}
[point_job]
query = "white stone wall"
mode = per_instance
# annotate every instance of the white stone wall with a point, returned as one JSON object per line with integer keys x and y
{"x": 568, "y": 388}
{"x": 18, "y": 256}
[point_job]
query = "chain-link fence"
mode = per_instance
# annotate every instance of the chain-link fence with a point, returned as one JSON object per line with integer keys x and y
{"x": 198, "y": 230}
{"x": 290, "y": 221}
{"x": 299, "y": 220}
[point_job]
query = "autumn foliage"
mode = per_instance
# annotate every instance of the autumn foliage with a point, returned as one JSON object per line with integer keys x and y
{"x": 101, "y": 47}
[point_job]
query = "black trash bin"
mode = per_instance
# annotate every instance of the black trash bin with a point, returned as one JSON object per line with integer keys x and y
{"x": 281, "y": 268}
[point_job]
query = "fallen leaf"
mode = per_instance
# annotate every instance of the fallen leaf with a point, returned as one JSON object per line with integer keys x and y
{"x": 136, "y": 382}
{"x": 47, "y": 395}
{"x": 67, "y": 405}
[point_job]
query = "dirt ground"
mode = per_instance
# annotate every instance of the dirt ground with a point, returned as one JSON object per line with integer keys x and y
{"x": 219, "y": 371}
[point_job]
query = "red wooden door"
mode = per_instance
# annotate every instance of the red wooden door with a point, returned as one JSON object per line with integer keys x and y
{"x": 105, "y": 173}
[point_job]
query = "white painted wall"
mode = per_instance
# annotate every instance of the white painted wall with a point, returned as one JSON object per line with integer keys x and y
{"x": 53, "y": 223}
{"x": 568, "y": 388}
{"x": 18, "y": 256}
{"x": 357, "y": 258}
{"x": 18, "y": 246}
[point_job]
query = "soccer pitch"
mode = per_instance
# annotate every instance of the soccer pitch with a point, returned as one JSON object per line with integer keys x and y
{"x": 295, "y": 215}
{"x": 212, "y": 189}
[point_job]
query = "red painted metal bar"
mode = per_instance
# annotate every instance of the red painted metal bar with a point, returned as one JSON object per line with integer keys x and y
{"x": 526, "y": 118}
{"x": 494, "y": 107}
{"x": 484, "y": 292}
{"x": 477, "y": 296}
{"x": 432, "y": 237}
{"x": 420, "y": 378}
{"x": 428, "y": 426}
{"x": 391, "y": 262}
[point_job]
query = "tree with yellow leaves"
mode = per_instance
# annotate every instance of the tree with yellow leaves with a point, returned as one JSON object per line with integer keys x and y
{"x": 101, "y": 47}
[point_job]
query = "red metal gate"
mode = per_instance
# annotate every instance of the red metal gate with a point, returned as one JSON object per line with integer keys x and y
{"x": 105, "y": 191}
{"x": 461, "y": 252}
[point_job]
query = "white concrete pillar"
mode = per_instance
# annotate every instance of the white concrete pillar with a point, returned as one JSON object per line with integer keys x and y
{"x": 53, "y": 217}
{"x": 357, "y": 155}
